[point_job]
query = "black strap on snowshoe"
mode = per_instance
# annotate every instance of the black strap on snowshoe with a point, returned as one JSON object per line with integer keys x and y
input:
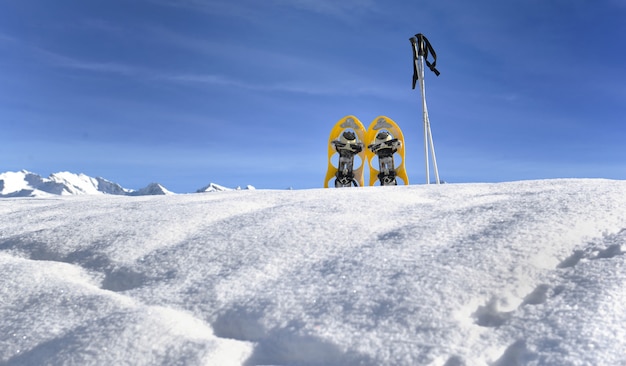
{"x": 389, "y": 145}
{"x": 421, "y": 47}
{"x": 352, "y": 148}
{"x": 345, "y": 181}
{"x": 388, "y": 180}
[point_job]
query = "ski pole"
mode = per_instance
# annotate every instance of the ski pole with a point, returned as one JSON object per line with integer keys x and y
{"x": 421, "y": 49}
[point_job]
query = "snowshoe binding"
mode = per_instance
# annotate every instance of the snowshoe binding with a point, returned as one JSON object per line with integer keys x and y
{"x": 347, "y": 146}
{"x": 385, "y": 146}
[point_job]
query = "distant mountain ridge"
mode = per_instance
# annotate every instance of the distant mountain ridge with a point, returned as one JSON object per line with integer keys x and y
{"x": 28, "y": 184}
{"x": 212, "y": 187}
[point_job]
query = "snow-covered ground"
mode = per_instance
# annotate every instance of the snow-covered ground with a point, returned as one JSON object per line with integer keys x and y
{"x": 519, "y": 273}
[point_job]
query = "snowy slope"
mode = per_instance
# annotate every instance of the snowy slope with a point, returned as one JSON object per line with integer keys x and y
{"x": 520, "y": 273}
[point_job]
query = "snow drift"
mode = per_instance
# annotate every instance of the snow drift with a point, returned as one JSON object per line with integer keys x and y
{"x": 520, "y": 273}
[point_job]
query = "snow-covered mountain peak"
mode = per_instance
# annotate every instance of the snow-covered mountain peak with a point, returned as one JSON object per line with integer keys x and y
{"x": 70, "y": 183}
{"x": 212, "y": 187}
{"x": 27, "y": 184}
{"x": 20, "y": 184}
{"x": 152, "y": 189}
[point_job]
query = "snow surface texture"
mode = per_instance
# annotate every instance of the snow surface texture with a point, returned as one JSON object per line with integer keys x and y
{"x": 27, "y": 184}
{"x": 520, "y": 273}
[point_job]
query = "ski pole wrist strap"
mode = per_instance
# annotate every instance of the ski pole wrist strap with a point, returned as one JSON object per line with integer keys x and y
{"x": 422, "y": 47}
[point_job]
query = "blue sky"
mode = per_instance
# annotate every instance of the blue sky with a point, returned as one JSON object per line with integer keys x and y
{"x": 187, "y": 92}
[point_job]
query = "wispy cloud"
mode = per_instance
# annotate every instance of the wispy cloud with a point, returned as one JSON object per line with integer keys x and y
{"x": 59, "y": 60}
{"x": 10, "y": 40}
{"x": 321, "y": 79}
{"x": 340, "y": 9}
{"x": 105, "y": 27}
{"x": 285, "y": 63}
{"x": 204, "y": 46}
{"x": 62, "y": 61}
{"x": 252, "y": 10}
{"x": 337, "y": 88}
{"x": 245, "y": 9}
{"x": 347, "y": 87}
{"x": 6, "y": 38}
